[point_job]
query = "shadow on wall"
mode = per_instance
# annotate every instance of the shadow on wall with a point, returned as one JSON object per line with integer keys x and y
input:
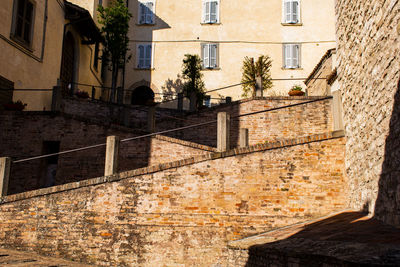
{"x": 142, "y": 25}
{"x": 387, "y": 207}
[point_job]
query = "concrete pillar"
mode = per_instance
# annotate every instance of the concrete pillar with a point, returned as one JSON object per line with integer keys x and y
{"x": 151, "y": 119}
{"x": 112, "y": 152}
{"x": 5, "y": 167}
{"x": 337, "y": 111}
{"x": 56, "y": 98}
{"x": 259, "y": 87}
{"x": 223, "y": 131}
{"x": 244, "y": 137}
{"x": 180, "y": 101}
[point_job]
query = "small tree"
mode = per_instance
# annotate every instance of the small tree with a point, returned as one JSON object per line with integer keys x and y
{"x": 115, "y": 25}
{"x": 193, "y": 83}
{"x": 261, "y": 68}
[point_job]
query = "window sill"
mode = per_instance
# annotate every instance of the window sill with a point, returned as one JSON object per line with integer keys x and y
{"x": 292, "y": 24}
{"x": 299, "y": 68}
{"x": 144, "y": 69}
{"x": 210, "y": 23}
{"x": 21, "y": 43}
{"x": 145, "y": 24}
{"x": 210, "y": 69}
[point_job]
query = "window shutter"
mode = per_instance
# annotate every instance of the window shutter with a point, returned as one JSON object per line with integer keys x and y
{"x": 141, "y": 56}
{"x": 142, "y": 13}
{"x": 287, "y": 56}
{"x": 207, "y": 15}
{"x": 288, "y": 13}
{"x": 206, "y": 57}
{"x": 148, "y": 56}
{"x": 149, "y": 12}
{"x": 295, "y": 12}
{"x": 213, "y": 55}
{"x": 295, "y": 56}
{"x": 213, "y": 11}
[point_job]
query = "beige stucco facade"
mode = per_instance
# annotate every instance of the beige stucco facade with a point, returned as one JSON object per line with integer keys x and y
{"x": 245, "y": 28}
{"x": 37, "y": 65}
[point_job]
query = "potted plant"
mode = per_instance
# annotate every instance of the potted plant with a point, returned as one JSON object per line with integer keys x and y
{"x": 82, "y": 94}
{"x": 296, "y": 90}
{"x": 17, "y": 105}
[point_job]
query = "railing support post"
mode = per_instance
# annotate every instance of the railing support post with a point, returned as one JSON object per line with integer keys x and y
{"x": 259, "y": 87}
{"x": 193, "y": 102}
{"x": 223, "y": 131}
{"x": 56, "y": 99}
{"x": 112, "y": 152}
{"x": 5, "y": 167}
{"x": 180, "y": 101}
{"x": 244, "y": 137}
{"x": 151, "y": 119}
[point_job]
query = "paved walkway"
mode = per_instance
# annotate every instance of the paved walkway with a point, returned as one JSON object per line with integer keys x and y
{"x": 14, "y": 258}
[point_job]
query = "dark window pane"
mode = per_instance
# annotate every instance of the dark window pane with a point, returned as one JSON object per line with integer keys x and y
{"x": 29, "y": 11}
{"x": 18, "y": 28}
{"x": 21, "y": 7}
{"x": 27, "y": 32}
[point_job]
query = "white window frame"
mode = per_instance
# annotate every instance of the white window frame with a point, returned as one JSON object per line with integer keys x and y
{"x": 288, "y": 14}
{"x": 291, "y": 54}
{"x": 208, "y": 61}
{"x": 206, "y": 16}
{"x": 145, "y": 60}
{"x": 148, "y": 17}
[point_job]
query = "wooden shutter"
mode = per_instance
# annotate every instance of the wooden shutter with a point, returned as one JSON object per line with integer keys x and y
{"x": 287, "y": 11}
{"x": 213, "y": 55}
{"x": 213, "y": 11}
{"x": 142, "y": 13}
{"x": 206, "y": 11}
{"x": 148, "y": 56}
{"x": 206, "y": 55}
{"x": 149, "y": 13}
{"x": 295, "y": 55}
{"x": 295, "y": 11}
{"x": 141, "y": 56}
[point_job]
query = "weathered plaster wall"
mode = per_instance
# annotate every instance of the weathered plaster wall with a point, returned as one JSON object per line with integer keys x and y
{"x": 368, "y": 55}
{"x": 181, "y": 213}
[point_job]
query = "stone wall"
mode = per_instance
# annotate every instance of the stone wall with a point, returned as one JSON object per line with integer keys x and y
{"x": 368, "y": 73}
{"x": 180, "y": 213}
{"x": 291, "y": 122}
{"x": 23, "y": 135}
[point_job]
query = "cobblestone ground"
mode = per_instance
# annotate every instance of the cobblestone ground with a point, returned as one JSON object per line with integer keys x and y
{"x": 14, "y": 258}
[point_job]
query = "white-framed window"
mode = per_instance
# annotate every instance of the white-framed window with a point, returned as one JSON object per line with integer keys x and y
{"x": 146, "y": 12}
{"x": 210, "y": 12}
{"x": 144, "y": 55}
{"x": 291, "y": 56}
{"x": 209, "y": 55}
{"x": 291, "y": 11}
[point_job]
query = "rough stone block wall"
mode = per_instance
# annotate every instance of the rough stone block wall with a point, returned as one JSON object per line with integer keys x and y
{"x": 291, "y": 122}
{"x": 22, "y": 136}
{"x": 368, "y": 73}
{"x": 181, "y": 213}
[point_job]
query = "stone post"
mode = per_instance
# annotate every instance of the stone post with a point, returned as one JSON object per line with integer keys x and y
{"x": 56, "y": 99}
{"x": 259, "y": 87}
{"x": 337, "y": 111}
{"x": 5, "y": 167}
{"x": 244, "y": 137}
{"x": 93, "y": 92}
{"x": 180, "y": 101}
{"x": 223, "y": 131}
{"x": 193, "y": 102}
{"x": 151, "y": 119}
{"x": 112, "y": 152}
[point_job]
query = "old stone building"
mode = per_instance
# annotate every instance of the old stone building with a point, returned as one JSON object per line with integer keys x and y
{"x": 44, "y": 43}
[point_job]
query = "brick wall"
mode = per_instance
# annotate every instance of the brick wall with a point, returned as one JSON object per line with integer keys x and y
{"x": 368, "y": 73}
{"x": 291, "y": 122}
{"x": 23, "y": 134}
{"x": 180, "y": 213}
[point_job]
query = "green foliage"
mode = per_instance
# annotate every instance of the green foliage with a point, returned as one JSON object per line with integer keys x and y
{"x": 296, "y": 87}
{"x": 115, "y": 26}
{"x": 251, "y": 69}
{"x": 192, "y": 76}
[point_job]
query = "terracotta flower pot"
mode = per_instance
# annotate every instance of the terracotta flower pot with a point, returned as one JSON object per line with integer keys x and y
{"x": 296, "y": 93}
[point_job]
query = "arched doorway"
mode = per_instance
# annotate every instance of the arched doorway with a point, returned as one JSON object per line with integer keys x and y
{"x": 68, "y": 65}
{"x": 142, "y": 95}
